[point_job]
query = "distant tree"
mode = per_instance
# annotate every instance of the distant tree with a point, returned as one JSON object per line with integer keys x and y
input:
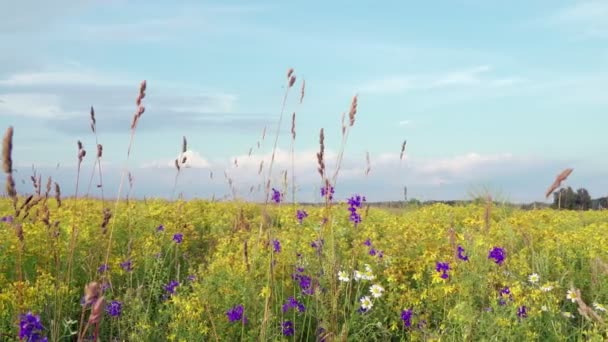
{"x": 572, "y": 200}
{"x": 583, "y": 199}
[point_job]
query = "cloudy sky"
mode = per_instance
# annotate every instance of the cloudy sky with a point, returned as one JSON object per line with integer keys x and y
{"x": 488, "y": 94}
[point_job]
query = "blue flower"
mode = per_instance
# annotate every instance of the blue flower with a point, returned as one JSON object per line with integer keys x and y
{"x": 328, "y": 191}
{"x": 178, "y": 238}
{"x": 461, "y": 255}
{"x": 288, "y": 328}
{"x": 293, "y": 303}
{"x": 276, "y": 245}
{"x": 406, "y": 317}
{"x": 522, "y": 312}
{"x": 127, "y": 265}
{"x": 170, "y": 287}
{"x": 102, "y": 268}
{"x": 301, "y": 215}
{"x": 443, "y": 267}
{"x": 276, "y": 195}
{"x": 498, "y": 254}
{"x": 236, "y": 313}
{"x": 30, "y": 328}
{"x": 114, "y": 309}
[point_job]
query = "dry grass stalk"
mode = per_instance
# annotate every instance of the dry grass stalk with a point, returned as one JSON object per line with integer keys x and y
{"x": 558, "y": 181}
{"x": 107, "y": 215}
{"x": 368, "y": 163}
{"x": 250, "y": 150}
{"x": 353, "y": 111}
{"x": 302, "y": 91}
{"x": 58, "y": 194}
{"x": 321, "y": 154}
{"x": 293, "y": 126}
{"x": 81, "y": 154}
{"x": 584, "y": 309}
{"x": 402, "y": 150}
{"x": 7, "y": 150}
{"x": 261, "y": 167}
{"x": 487, "y": 214}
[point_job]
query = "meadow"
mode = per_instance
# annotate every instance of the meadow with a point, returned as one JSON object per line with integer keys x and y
{"x": 77, "y": 268}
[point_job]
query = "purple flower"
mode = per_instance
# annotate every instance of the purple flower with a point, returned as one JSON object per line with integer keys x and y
{"x": 105, "y": 286}
{"x": 461, "y": 255}
{"x": 293, "y": 303}
{"x": 114, "y": 309}
{"x": 288, "y": 328}
{"x": 276, "y": 195}
{"x": 127, "y": 265}
{"x": 356, "y": 201}
{"x": 236, "y": 314}
{"x": 328, "y": 191}
{"x": 191, "y": 278}
{"x": 373, "y": 252}
{"x": 30, "y": 328}
{"x": 276, "y": 245}
{"x": 178, "y": 238}
{"x": 170, "y": 287}
{"x": 7, "y": 219}
{"x": 160, "y": 228}
{"x": 368, "y": 242}
{"x": 305, "y": 283}
{"x": 102, "y": 268}
{"x": 498, "y": 254}
{"x": 505, "y": 291}
{"x": 443, "y": 267}
{"x": 406, "y": 317}
{"x": 301, "y": 215}
{"x": 522, "y": 312}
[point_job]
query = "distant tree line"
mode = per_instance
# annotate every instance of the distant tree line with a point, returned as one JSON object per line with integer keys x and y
{"x": 567, "y": 198}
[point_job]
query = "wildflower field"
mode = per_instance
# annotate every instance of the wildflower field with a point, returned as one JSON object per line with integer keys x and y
{"x": 76, "y": 268}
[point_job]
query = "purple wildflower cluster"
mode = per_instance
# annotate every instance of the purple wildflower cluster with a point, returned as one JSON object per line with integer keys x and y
{"x": 505, "y": 292}
{"x": 103, "y": 268}
{"x": 127, "y": 265}
{"x": 288, "y": 329}
{"x": 461, "y": 255}
{"x": 522, "y": 312}
{"x": 498, "y": 254}
{"x": 355, "y": 202}
{"x": 293, "y": 303}
{"x": 373, "y": 251}
{"x": 276, "y": 246}
{"x": 160, "y": 228}
{"x": 6, "y": 219}
{"x": 328, "y": 191}
{"x": 304, "y": 281}
{"x": 276, "y": 195}
{"x": 443, "y": 267}
{"x": 236, "y": 313}
{"x": 114, "y": 308}
{"x": 301, "y": 215}
{"x": 170, "y": 287}
{"x": 406, "y": 317}
{"x": 178, "y": 238}
{"x": 30, "y": 328}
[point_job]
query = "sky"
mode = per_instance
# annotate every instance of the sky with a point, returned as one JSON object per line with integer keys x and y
{"x": 490, "y": 95}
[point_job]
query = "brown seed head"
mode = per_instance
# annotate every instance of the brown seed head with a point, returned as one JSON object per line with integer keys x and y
{"x": 10, "y": 187}
{"x": 99, "y": 150}
{"x": 402, "y": 149}
{"x": 292, "y": 81}
{"x": 97, "y": 311}
{"x": 293, "y": 126}
{"x": 302, "y": 91}
{"x": 184, "y": 145}
{"x": 558, "y": 181}
{"x": 7, "y": 150}
{"x": 353, "y": 110}
{"x": 58, "y": 194}
{"x": 93, "y": 121}
{"x": 289, "y": 72}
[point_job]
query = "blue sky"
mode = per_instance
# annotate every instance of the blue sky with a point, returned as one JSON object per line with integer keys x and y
{"x": 488, "y": 94}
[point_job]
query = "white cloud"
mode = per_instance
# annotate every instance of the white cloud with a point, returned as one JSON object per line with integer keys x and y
{"x": 404, "y": 122}
{"x": 470, "y": 77}
{"x": 36, "y": 105}
{"x": 194, "y": 160}
{"x": 46, "y": 78}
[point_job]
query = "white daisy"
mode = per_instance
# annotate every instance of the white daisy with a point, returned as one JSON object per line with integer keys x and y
{"x": 571, "y": 295}
{"x": 546, "y": 288}
{"x": 366, "y": 303}
{"x": 343, "y": 276}
{"x": 534, "y": 278}
{"x": 544, "y": 308}
{"x": 567, "y": 314}
{"x": 376, "y": 290}
{"x": 599, "y": 307}
{"x": 358, "y": 275}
